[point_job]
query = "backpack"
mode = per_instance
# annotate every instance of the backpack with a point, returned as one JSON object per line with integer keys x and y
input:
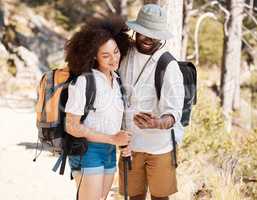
{"x": 52, "y": 98}
{"x": 190, "y": 86}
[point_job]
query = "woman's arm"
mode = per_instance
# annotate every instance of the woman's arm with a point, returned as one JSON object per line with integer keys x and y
{"x": 76, "y": 129}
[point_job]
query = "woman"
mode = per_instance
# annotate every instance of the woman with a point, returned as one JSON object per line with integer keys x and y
{"x": 97, "y": 47}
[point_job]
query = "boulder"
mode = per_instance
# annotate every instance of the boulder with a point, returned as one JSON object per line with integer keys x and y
{"x": 43, "y": 41}
{"x": 3, "y": 52}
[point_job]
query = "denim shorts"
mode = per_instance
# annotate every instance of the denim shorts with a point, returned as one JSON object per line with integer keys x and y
{"x": 100, "y": 158}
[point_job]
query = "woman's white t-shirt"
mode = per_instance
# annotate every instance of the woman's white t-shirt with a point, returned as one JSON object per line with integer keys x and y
{"x": 107, "y": 117}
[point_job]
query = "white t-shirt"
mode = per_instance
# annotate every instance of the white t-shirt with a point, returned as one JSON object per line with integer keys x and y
{"x": 142, "y": 98}
{"x": 108, "y": 103}
{"x": 139, "y": 62}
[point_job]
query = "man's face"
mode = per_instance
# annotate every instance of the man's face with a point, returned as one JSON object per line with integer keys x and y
{"x": 146, "y": 45}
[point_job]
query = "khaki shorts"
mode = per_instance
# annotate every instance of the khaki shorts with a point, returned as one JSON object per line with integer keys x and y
{"x": 148, "y": 170}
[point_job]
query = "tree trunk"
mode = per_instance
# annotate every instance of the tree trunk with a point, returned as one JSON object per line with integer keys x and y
{"x": 230, "y": 73}
{"x": 175, "y": 24}
{"x": 185, "y": 32}
{"x": 121, "y": 7}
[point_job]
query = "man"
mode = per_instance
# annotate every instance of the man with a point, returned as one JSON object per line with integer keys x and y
{"x": 150, "y": 119}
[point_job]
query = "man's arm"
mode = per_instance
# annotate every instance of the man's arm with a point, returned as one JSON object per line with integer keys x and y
{"x": 171, "y": 102}
{"x": 172, "y": 93}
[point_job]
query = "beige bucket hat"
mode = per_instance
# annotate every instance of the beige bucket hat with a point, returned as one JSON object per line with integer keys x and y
{"x": 152, "y": 22}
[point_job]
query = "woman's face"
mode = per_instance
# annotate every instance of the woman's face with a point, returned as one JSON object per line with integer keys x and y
{"x": 108, "y": 56}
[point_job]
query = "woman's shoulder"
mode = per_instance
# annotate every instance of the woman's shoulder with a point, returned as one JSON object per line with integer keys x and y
{"x": 80, "y": 82}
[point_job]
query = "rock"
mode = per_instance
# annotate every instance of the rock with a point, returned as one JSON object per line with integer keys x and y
{"x": 44, "y": 41}
{"x": 35, "y": 33}
{"x": 43, "y": 45}
{"x": 3, "y": 52}
{"x": 30, "y": 59}
{"x": 56, "y": 59}
{"x": 29, "y": 44}
{"x": 27, "y": 65}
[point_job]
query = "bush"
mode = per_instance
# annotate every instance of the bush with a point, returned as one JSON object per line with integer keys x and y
{"x": 247, "y": 156}
{"x": 206, "y": 136}
{"x": 206, "y": 132}
{"x": 211, "y": 41}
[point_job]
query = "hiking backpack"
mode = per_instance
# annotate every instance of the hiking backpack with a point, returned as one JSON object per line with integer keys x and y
{"x": 50, "y": 106}
{"x": 189, "y": 73}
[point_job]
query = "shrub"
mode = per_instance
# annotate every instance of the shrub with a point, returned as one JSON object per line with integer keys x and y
{"x": 206, "y": 138}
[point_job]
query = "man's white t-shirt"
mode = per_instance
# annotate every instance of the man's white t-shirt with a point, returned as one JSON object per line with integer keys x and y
{"x": 142, "y": 98}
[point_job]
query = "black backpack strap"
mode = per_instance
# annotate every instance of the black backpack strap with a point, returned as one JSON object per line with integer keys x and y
{"x": 64, "y": 158}
{"x": 161, "y": 67}
{"x": 174, "y": 153}
{"x": 90, "y": 94}
{"x": 122, "y": 90}
{"x": 162, "y": 64}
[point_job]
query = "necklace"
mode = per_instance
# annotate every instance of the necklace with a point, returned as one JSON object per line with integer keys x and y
{"x": 131, "y": 98}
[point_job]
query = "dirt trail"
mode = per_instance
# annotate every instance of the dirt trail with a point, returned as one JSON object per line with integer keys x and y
{"x": 23, "y": 179}
{"x": 20, "y": 177}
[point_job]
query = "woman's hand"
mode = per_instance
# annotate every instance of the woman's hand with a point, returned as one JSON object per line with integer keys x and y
{"x": 121, "y": 138}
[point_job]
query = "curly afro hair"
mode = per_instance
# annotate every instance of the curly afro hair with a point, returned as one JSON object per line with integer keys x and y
{"x": 82, "y": 48}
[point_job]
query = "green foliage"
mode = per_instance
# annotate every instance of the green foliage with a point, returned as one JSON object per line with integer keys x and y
{"x": 11, "y": 67}
{"x": 62, "y": 20}
{"x": 211, "y": 42}
{"x": 206, "y": 132}
{"x": 198, "y": 3}
{"x": 36, "y": 3}
{"x": 249, "y": 23}
{"x": 211, "y": 38}
{"x": 247, "y": 156}
{"x": 206, "y": 136}
{"x": 251, "y": 86}
{"x": 250, "y": 36}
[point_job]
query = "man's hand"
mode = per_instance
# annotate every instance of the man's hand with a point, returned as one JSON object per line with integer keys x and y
{"x": 146, "y": 120}
{"x": 149, "y": 121}
{"x": 125, "y": 151}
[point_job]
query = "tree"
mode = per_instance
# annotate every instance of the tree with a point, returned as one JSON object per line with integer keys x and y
{"x": 230, "y": 73}
{"x": 175, "y": 22}
{"x": 121, "y": 7}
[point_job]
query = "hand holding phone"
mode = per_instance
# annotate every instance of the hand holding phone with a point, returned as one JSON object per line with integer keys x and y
{"x": 146, "y": 120}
